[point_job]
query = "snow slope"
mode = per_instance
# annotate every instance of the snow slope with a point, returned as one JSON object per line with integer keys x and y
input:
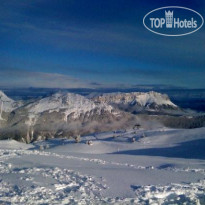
{"x": 165, "y": 166}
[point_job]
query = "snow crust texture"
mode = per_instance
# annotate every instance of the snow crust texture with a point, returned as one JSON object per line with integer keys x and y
{"x": 55, "y": 185}
{"x": 68, "y": 173}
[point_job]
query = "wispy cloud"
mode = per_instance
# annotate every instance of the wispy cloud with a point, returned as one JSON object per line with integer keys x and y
{"x": 22, "y": 78}
{"x": 126, "y": 41}
{"x": 76, "y": 33}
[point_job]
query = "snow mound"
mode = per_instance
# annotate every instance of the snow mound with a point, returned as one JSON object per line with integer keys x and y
{"x": 13, "y": 144}
{"x": 192, "y": 193}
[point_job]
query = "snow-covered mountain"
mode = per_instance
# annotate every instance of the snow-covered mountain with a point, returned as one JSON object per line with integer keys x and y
{"x": 68, "y": 114}
{"x": 7, "y": 105}
{"x": 64, "y": 113}
{"x": 137, "y": 101}
{"x": 72, "y": 105}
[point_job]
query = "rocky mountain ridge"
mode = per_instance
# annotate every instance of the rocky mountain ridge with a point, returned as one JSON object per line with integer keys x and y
{"x": 62, "y": 115}
{"x": 69, "y": 114}
{"x": 137, "y": 101}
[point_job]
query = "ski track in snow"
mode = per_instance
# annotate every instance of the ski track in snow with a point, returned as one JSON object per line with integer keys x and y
{"x": 70, "y": 187}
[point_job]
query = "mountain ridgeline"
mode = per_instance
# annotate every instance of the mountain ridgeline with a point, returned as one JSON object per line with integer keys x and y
{"x": 138, "y": 102}
{"x": 61, "y": 115}
{"x": 69, "y": 115}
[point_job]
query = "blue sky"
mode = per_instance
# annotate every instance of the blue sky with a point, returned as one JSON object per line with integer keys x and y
{"x": 95, "y": 43}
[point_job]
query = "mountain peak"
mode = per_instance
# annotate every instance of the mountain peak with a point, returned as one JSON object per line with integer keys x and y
{"x": 6, "y": 103}
{"x": 67, "y": 101}
{"x": 4, "y": 97}
{"x": 139, "y": 100}
{"x": 67, "y": 112}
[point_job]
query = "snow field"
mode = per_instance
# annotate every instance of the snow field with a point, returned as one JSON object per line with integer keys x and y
{"x": 109, "y": 172}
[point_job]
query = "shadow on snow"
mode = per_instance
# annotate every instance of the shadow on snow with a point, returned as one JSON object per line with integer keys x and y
{"x": 190, "y": 150}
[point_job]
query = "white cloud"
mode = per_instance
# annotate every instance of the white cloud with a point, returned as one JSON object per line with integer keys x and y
{"x": 22, "y": 78}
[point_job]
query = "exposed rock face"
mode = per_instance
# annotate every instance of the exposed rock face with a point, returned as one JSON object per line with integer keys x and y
{"x": 137, "y": 101}
{"x": 62, "y": 115}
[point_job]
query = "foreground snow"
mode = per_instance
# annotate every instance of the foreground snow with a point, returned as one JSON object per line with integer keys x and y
{"x": 165, "y": 167}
